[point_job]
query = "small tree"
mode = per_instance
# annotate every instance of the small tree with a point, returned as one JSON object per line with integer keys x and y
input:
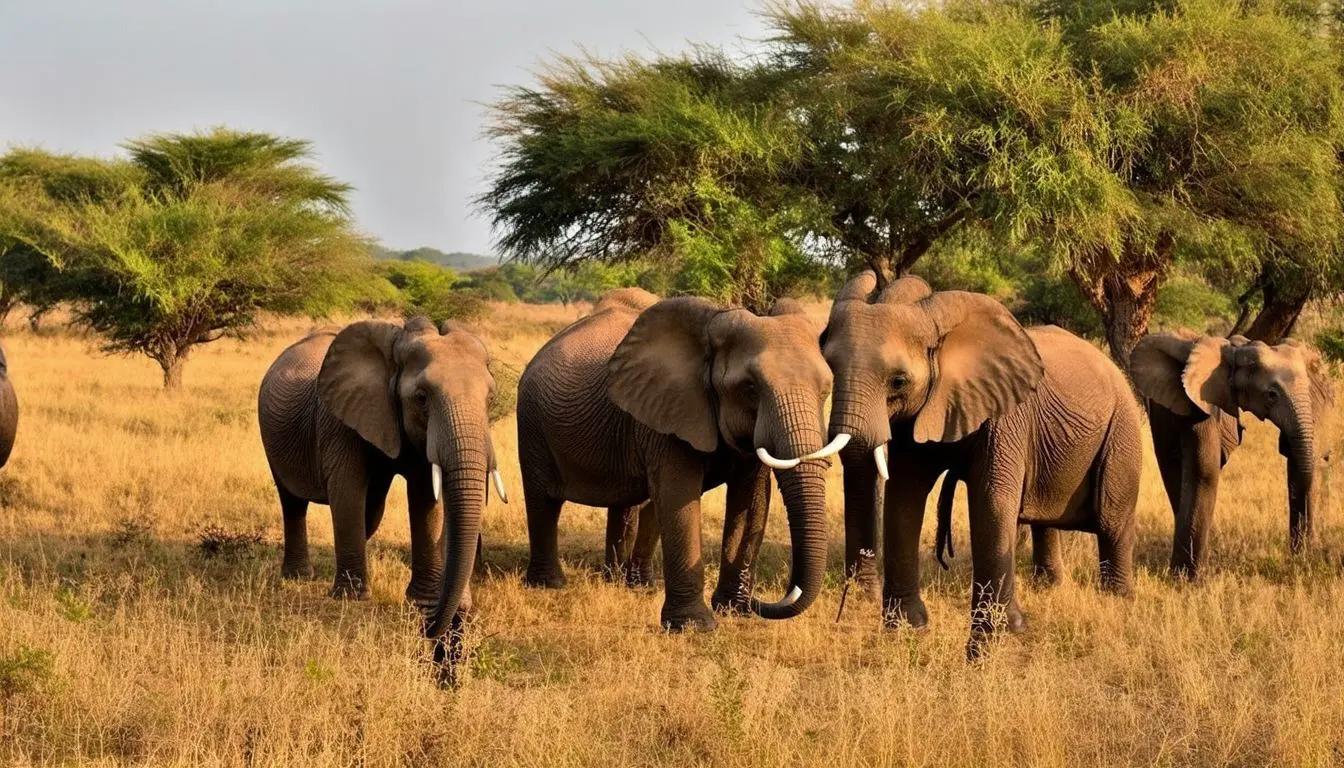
{"x": 190, "y": 239}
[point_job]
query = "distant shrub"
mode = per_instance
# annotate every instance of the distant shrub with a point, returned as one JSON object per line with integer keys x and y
{"x": 1049, "y": 301}
{"x": 217, "y": 541}
{"x": 1331, "y": 344}
{"x": 425, "y": 288}
{"x": 1188, "y": 301}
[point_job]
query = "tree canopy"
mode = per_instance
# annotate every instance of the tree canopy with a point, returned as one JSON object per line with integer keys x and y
{"x": 187, "y": 239}
{"x": 1119, "y": 143}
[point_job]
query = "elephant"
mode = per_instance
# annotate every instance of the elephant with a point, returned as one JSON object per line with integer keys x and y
{"x": 344, "y": 411}
{"x": 9, "y": 411}
{"x": 1196, "y": 387}
{"x": 661, "y": 400}
{"x": 1040, "y": 425}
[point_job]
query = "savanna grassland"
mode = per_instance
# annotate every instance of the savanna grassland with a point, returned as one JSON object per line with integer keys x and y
{"x": 143, "y": 620}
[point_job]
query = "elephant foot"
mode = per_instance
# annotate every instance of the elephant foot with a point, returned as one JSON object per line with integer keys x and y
{"x": 732, "y": 596}
{"x": 1015, "y": 621}
{"x": 694, "y": 619}
{"x": 1045, "y": 577}
{"x": 297, "y": 570}
{"x": 911, "y": 613}
{"x": 350, "y": 588}
{"x": 1181, "y": 570}
{"x": 549, "y": 577}
{"x": 864, "y": 573}
{"x": 978, "y": 646}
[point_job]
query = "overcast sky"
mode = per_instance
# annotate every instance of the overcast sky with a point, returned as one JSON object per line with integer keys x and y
{"x": 387, "y": 90}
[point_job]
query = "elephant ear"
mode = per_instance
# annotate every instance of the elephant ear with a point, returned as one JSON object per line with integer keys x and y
{"x": 1322, "y": 392}
{"x": 659, "y": 372}
{"x": 355, "y": 382}
{"x": 984, "y": 361}
{"x": 907, "y": 290}
{"x": 1207, "y": 377}
{"x": 1156, "y": 365}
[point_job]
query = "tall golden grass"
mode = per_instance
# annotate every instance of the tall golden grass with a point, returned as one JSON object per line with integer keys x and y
{"x": 123, "y": 642}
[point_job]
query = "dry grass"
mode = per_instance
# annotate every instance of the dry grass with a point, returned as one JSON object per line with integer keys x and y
{"x": 123, "y": 642}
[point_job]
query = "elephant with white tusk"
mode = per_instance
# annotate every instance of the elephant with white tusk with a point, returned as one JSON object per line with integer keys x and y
{"x": 660, "y": 401}
{"x": 1196, "y": 387}
{"x": 343, "y": 412}
{"x": 1040, "y": 425}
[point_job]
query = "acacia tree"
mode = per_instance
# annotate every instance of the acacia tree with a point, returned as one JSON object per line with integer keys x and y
{"x": 188, "y": 239}
{"x": 674, "y": 160}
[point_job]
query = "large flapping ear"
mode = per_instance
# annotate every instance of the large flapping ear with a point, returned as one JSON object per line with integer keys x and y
{"x": 658, "y": 373}
{"x": 984, "y": 365}
{"x": 355, "y": 382}
{"x": 907, "y": 290}
{"x": 1322, "y": 391}
{"x": 1156, "y": 365}
{"x": 1207, "y": 376}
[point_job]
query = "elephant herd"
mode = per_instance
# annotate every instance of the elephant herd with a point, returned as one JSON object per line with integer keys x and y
{"x": 645, "y": 404}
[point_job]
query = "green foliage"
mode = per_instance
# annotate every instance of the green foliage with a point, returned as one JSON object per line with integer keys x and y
{"x": 1187, "y": 301}
{"x": 23, "y": 670}
{"x": 1331, "y": 344}
{"x": 424, "y": 288}
{"x": 192, "y": 238}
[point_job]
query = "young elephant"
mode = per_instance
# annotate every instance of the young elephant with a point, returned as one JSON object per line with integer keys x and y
{"x": 662, "y": 401}
{"x": 1041, "y": 426}
{"x": 343, "y": 412}
{"x": 1196, "y": 388}
{"x": 9, "y": 411}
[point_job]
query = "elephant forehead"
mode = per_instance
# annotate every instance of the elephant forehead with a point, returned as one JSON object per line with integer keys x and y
{"x": 880, "y": 332}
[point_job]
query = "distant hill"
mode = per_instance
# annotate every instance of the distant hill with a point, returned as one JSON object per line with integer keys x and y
{"x": 457, "y": 261}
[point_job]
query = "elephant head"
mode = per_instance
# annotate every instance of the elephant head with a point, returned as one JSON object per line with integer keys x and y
{"x": 421, "y": 396}
{"x": 944, "y": 362}
{"x": 729, "y": 379}
{"x": 1285, "y": 384}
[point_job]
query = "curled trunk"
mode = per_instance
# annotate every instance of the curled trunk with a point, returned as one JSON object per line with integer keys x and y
{"x": 804, "y": 492}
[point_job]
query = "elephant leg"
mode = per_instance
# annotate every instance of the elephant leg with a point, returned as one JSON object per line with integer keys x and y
{"x": 903, "y": 521}
{"x": 622, "y": 528}
{"x": 348, "y": 496}
{"x": 543, "y": 563}
{"x": 1046, "y": 557}
{"x": 863, "y": 498}
{"x": 1117, "y": 496}
{"x": 745, "y": 513}
{"x": 677, "y": 484}
{"x": 426, "y": 519}
{"x": 640, "y": 571}
{"x": 993, "y": 539}
{"x": 296, "y": 564}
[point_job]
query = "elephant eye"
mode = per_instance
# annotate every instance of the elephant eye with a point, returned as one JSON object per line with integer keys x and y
{"x": 749, "y": 390}
{"x": 421, "y": 398}
{"x": 899, "y": 380}
{"x": 1272, "y": 395}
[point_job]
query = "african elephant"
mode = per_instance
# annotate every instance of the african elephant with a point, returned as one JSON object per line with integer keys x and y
{"x": 1196, "y": 387}
{"x": 662, "y": 400}
{"x": 9, "y": 411}
{"x": 343, "y": 412}
{"x": 1040, "y": 425}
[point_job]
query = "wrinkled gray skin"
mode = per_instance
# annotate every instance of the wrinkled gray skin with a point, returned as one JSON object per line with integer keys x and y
{"x": 1040, "y": 425}
{"x": 662, "y": 401}
{"x": 1196, "y": 387}
{"x": 9, "y": 411}
{"x": 344, "y": 412}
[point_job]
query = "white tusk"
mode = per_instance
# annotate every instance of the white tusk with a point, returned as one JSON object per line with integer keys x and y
{"x": 499, "y": 485}
{"x": 880, "y": 459}
{"x": 791, "y": 598}
{"x": 773, "y": 463}
{"x": 835, "y": 446}
{"x": 437, "y": 475}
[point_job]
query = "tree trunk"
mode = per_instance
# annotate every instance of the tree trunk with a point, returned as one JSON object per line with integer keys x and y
{"x": 1129, "y": 303}
{"x": 1279, "y": 313}
{"x": 172, "y": 362}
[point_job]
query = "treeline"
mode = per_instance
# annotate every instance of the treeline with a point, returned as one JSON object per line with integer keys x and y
{"x": 1117, "y": 153}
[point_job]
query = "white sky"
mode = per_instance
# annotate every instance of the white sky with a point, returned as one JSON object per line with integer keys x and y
{"x": 388, "y": 91}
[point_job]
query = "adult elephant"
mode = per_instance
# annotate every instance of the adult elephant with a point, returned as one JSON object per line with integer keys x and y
{"x": 1040, "y": 425}
{"x": 9, "y": 411}
{"x": 661, "y": 400}
{"x": 1196, "y": 387}
{"x": 343, "y": 412}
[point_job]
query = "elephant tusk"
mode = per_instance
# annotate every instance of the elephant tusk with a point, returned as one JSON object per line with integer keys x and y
{"x": 773, "y": 463}
{"x": 792, "y": 597}
{"x": 880, "y": 459}
{"x": 499, "y": 485}
{"x": 437, "y": 476}
{"x": 835, "y": 446}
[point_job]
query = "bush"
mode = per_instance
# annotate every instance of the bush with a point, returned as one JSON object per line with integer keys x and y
{"x": 424, "y": 288}
{"x": 1187, "y": 301}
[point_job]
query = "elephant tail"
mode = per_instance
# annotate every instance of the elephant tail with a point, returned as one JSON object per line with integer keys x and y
{"x": 943, "y": 537}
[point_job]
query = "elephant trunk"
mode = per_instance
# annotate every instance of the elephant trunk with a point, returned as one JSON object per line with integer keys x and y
{"x": 797, "y": 431}
{"x": 858, "y": 410}
{"x": 1297, "y": 443}
{"x": 462, "y": 451}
